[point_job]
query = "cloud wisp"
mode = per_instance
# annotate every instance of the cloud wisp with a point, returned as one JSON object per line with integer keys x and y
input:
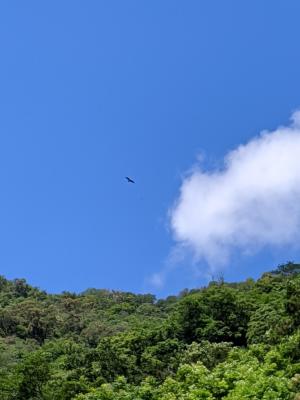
{"x": 252, "y": 202}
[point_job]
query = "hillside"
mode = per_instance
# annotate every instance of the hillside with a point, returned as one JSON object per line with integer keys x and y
{"x": 225, "y": 341}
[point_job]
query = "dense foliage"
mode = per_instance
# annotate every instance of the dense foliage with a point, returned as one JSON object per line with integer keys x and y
{"x": 226, "y": 341}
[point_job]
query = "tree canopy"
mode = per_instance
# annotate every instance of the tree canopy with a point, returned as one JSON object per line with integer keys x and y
{"x": 224, "y": 341}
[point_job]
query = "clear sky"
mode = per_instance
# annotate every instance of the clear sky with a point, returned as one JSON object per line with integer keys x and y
{"x": 92, "y": 91}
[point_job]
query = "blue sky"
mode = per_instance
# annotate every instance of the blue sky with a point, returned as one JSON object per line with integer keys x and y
{"x": 94, "y": 91}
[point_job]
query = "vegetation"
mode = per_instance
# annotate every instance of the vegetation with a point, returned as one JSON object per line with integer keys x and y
{"x": 228, "y": 341}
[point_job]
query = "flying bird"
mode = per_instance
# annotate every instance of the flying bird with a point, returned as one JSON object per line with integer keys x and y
{"x": 129, "y": 180}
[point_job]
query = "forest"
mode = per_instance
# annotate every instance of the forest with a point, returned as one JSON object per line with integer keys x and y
{"x": 228, "y": 341}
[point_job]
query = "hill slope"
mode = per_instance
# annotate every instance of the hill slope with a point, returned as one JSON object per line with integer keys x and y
{"x": 226, "y": 341}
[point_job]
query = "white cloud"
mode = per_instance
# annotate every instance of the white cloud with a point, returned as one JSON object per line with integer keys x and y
{"x": 157, "y": 280}
{"x": 251, "y": 203}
